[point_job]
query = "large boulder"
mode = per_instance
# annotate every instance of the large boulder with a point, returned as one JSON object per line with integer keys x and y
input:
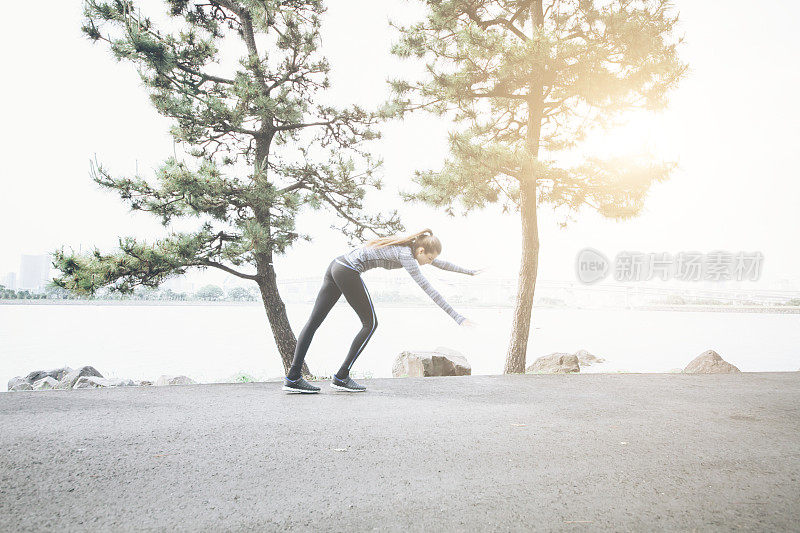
{"x": 174, "y": 380}
{"x": 440, "y": 362}
{"x": 709, "y": 362}
{"x": 69, "y": 380}
{"x": 555, "y": 363}
{"x": 587, "y": 359}
{"x": 22, "y": 385}
{"x": 56, "y": 374}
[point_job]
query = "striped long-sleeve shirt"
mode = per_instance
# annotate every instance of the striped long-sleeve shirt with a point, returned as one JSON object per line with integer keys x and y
{"x": 396, "y": 256}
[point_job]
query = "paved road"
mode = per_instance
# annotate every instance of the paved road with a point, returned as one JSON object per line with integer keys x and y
{"x": 580, "y": 452}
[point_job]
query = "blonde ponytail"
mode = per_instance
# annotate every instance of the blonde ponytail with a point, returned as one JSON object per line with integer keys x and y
{"x": 424, "y": 238}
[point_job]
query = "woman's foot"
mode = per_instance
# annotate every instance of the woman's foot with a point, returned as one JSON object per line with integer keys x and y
{"x": 298, "y": 385}
{"x": 346, "y": 384}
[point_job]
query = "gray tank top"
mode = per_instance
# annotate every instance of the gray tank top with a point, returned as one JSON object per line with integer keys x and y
{"x": 395, "y": 256}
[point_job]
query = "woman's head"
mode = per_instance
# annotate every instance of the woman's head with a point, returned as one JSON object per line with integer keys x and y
{"x": 424, "y": 244}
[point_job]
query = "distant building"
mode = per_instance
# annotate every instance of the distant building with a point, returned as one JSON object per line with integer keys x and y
{"x": 34, "y": 272}
{"x": 10, "y": 281}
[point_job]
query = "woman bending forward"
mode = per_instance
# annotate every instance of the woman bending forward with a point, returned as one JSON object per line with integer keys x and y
{"x": 343, "y": 276}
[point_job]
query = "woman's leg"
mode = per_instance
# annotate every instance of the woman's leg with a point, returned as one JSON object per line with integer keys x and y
{"x": 356, "y": 294}
{"x": 328, "y": 295}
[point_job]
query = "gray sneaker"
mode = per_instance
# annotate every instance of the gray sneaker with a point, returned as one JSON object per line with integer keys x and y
{"x": 347, "y": 384}
{"x": 298, "y": 385}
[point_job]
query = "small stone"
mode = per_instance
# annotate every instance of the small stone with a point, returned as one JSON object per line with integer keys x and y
{"x": 555, "y": 363}
{"x": 440, "y": 362}
{"x": 710, "y": 362}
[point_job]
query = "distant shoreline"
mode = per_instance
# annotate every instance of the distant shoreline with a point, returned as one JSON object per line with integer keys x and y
{"x": 788, "y": 309}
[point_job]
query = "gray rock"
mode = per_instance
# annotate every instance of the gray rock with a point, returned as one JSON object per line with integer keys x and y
{"x": 587, "y": 359}
{"x": 164, "y": 380}
{"x": 56, "y": 374}
{"x": 35, "y": 375}
{"x": 13, "y": 382}
{"x": 88, "y": 382}
{"x": 555, "y": 363}
{"x": 417, "y": 364}
{"x": 85, "y": 382}
{"x": 69, "y": 380}
{"x": 45, "y": 383}
{"x": 144, "y": 383}
{"x": 709, "y": 362}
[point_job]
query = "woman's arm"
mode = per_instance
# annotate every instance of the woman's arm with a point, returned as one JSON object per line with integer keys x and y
{"x": 411, "y": 265}
{"x": 446, "y": 265}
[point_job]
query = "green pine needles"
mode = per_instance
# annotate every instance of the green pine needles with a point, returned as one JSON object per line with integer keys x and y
{"x": 261, "y": 148}
{"x": 520, "y": 76}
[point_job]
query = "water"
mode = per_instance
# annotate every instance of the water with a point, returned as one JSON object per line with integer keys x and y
{"x": 213, "y": 342}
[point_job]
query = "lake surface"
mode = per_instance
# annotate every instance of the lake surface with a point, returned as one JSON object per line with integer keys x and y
{"x": 212, "y": 343}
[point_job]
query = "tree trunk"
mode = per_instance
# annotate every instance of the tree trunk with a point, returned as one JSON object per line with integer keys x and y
{"x": 267, "y": 281}
{"x": 529, "y": 262}
{"x": 521, "y": 326}
{"x": 278, "y": 320}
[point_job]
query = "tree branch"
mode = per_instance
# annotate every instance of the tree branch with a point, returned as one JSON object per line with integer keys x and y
{"x": 298, "y": 126}
{"x": 227, "y": 269}
{"x": 472, "y": 13}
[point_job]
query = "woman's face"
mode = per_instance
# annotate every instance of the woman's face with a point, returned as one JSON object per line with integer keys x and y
{"x": 423, "y": 257}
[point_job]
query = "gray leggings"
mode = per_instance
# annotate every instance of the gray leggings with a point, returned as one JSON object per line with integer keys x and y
{"x": 340, "y": 278}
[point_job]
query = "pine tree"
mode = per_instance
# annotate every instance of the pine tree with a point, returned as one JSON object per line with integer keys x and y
{"x": 261, "y": 148}
{"x": 520, "y": 75}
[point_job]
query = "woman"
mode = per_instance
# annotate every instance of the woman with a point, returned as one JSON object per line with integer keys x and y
{"x": 344, "y": 277}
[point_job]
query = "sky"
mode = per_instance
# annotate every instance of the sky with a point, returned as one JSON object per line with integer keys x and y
{"x": 733, "y": 126}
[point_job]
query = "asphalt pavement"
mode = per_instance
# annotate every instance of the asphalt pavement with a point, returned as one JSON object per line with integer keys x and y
{"x": 574, "y": 452}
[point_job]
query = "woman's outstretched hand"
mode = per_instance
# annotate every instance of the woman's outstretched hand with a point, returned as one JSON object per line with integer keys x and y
{"x": 479, "y": 270}
{"x": 467, "y": 323}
